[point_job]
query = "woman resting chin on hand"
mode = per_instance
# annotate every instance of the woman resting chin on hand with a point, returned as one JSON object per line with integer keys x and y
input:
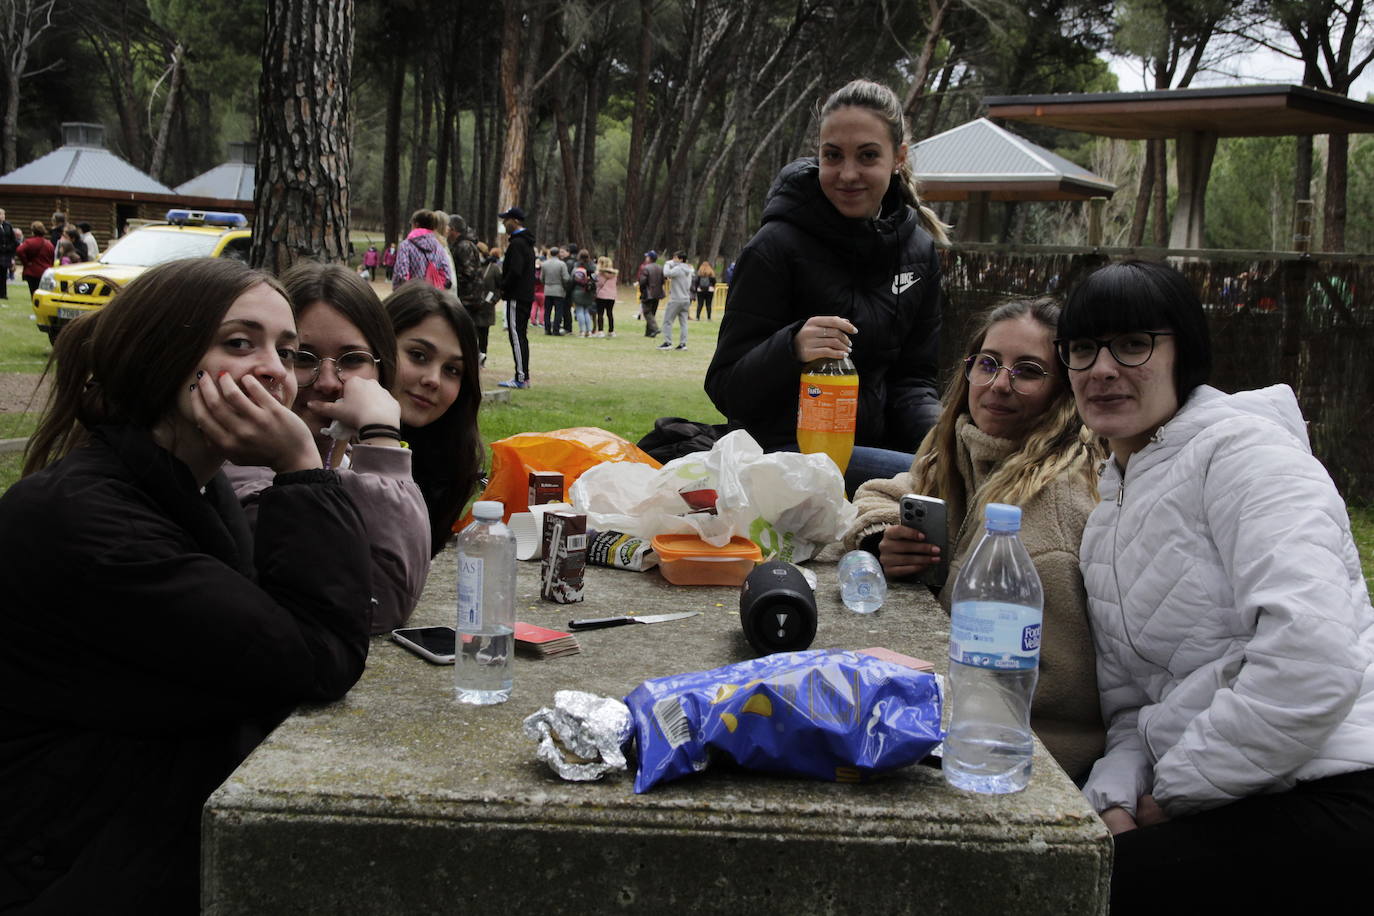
{"x": 344, "y": 372}
{"x": 149, "y": 638}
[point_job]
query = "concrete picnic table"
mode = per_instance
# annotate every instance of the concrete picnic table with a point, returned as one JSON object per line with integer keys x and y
{"x": 399, "y": 800}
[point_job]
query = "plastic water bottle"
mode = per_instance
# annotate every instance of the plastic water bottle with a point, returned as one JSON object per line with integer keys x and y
{"x": 863, "y": 587}
{"x": 994, "y": 658}
{"x": 486, "y": 607}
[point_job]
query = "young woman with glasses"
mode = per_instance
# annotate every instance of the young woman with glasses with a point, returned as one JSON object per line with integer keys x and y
{"x": 439, "y": 391}
{"x": 1008, "y": 433}
{"x": 345, "y": 367}
{"x": 150, "y": 640}
{"x": 1234, "y": 633}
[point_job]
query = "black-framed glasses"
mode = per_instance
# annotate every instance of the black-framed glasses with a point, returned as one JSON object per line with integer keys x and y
{"x": 1026, "y": 377}
{"x": 346, "y": 366}
{"x": 1130, "y": 349}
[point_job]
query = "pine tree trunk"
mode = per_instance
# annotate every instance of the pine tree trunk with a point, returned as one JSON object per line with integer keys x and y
{"x": 1142, "y": 197}
{"x": 391, "y": 152}
{"x": 629, "y": 220}
{"x": 303, "y": 134}
{"x": 1161, "y": 190}
{"x": 1334, "y": 207}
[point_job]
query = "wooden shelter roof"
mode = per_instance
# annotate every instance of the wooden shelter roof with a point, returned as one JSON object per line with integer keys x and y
{"x": 1226, "y": 111}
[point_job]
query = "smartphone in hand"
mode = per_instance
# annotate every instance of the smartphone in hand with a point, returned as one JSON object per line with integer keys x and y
{"x": 926, "y": 514}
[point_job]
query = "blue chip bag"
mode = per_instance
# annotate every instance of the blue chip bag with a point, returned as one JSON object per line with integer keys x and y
{"x": 833, "y": 715}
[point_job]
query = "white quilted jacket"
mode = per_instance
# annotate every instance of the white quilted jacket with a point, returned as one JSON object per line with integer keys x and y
{"x": 1234, "y": 634}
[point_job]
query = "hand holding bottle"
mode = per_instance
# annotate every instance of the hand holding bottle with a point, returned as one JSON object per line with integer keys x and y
{"x": 823, "y": 337}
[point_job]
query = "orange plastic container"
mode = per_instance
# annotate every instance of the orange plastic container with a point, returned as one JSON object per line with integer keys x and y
{"x": 686, "y": 559}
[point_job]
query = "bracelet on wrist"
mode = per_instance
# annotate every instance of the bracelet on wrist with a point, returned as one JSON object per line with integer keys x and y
{"x": 378, "y": 431}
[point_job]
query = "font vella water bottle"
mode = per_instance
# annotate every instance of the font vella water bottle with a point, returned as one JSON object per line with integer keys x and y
{"x": 486, "y": 607}
{"x": 994, "y": 658}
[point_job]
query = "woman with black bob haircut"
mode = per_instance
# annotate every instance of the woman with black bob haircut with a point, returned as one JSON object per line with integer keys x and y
{"x": 344, "y": 373}
{"x": 438, "y": 388}
{"x": 150, "y": 641}
{"x": 1232, "y": 623}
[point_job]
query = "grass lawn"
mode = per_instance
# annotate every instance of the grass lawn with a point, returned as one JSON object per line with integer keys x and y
{"x": 621, "y": 384}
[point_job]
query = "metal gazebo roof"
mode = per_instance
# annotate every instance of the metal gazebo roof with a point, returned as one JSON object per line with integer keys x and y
{"x": 981, "y": 158}
{"x": 83, "y": 162}
{"x": 232, "y": 180}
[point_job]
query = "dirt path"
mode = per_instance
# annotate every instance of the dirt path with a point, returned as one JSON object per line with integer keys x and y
{"x": 16, "y": 391}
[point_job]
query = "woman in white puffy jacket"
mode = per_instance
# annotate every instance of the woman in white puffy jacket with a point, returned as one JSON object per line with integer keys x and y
{"x": 1233, "y": 628}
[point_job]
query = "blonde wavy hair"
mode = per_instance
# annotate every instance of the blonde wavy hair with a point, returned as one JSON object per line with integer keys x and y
{"x": 1059, "y": 443}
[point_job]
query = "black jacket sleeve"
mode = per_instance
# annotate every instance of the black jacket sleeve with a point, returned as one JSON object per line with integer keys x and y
{"x": 163, "y": 637}
{"x": 753, "y": 374}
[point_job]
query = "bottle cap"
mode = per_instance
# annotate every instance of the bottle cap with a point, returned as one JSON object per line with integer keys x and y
{"x": 1001, "y": 517}
{"x": 492, "y": 509}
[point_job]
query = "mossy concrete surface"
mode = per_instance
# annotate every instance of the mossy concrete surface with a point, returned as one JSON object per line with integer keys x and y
{"x": 399, "y": 800}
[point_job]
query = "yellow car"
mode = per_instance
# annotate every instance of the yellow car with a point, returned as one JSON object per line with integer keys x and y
{"x": 69, "y": 291}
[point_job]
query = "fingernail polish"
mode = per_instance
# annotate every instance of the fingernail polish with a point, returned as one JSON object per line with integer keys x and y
{"x": 193, "y": 386}
{"x": 200, "y": 373}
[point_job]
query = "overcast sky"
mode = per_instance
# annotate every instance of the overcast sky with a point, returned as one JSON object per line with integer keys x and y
{"x": 1261, "y": 66}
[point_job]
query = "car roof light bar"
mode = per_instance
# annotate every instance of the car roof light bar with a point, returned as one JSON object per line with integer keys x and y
{"x": 206, "y": 218}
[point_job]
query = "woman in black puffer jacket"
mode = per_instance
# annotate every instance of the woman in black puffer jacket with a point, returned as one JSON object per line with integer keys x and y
{"x": 844, "y": 264}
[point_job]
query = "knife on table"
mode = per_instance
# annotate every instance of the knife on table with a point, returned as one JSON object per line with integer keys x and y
{"x": 597, "y": 623}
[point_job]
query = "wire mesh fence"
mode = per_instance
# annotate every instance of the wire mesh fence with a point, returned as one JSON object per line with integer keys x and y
{"x": 1274, "y": 317}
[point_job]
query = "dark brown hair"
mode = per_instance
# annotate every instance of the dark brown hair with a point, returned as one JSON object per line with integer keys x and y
{"x": 126, "y": 363}
{"x": 447, "y": 455}
{"x": 308, "y": 282}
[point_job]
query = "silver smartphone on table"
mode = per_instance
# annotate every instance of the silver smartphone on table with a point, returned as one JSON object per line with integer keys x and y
{"x": 434, "y": 644}
{"x": 926, "y": 514}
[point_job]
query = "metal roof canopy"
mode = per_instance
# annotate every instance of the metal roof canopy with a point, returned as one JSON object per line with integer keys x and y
{"x": 1194, "y": 119}
{"x": 1225, "y": 111}
{"x": 84, "y": 163}
{"x": 981, "y": 160}
{"x": 230, "y": 180}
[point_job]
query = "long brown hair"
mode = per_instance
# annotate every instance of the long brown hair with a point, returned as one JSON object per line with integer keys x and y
{"x": 884, "y": 103}
{"x": 126, "y": 363}
{"x": 447, "y": 455}
{"x": 1059, "y": 442}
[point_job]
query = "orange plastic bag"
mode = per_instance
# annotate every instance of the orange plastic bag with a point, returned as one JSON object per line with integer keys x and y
{"x": 569, "y": 451}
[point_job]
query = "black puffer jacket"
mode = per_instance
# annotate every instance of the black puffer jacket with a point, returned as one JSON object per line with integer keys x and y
{"x": 148, "y": 646}
{"x": 806, "y": 260}
{"x": 517, "y": 268}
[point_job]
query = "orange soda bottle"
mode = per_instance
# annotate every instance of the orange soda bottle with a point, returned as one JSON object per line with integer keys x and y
{"x": 827, "y": 407}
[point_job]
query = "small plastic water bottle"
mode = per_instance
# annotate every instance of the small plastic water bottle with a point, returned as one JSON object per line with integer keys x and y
{"x": 994, "y": 659}
{"x": 863, "y": 587}
{"x": 486, "y": 607}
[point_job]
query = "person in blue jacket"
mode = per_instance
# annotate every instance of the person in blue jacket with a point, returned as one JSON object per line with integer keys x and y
{"x": 843, "y": 265}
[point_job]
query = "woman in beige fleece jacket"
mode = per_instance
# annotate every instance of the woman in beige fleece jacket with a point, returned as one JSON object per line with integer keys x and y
{"x": 1009, "y": 433}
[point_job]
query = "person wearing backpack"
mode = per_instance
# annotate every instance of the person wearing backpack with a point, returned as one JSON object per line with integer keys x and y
{"x": 584, "y": 292}
{"x": 422, "y": 255}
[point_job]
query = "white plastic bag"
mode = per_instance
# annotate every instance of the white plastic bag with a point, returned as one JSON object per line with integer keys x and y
{"x": 789, "y": 504}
